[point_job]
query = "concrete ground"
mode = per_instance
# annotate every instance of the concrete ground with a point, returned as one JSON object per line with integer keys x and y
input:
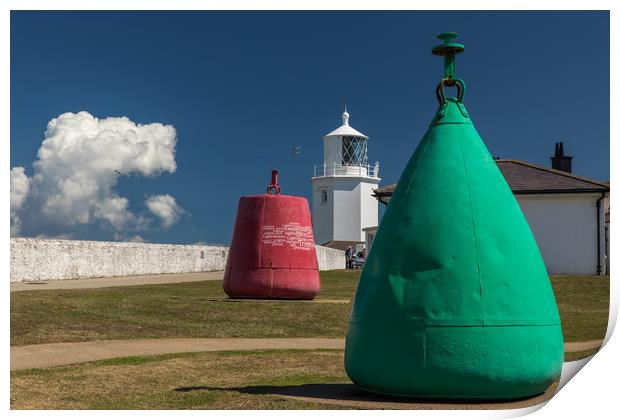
{"x": 94, "y": 283}
{"x": 352, "y": 397}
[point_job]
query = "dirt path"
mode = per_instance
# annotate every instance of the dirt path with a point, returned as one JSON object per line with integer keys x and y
{"x": 117, "y": 281}
{"x": 58, "y": 354}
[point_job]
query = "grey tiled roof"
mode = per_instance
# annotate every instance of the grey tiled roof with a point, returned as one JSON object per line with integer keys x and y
{"x": 525, "y": 177}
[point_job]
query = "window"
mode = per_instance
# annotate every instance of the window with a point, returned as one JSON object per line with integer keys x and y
{"x": 369, "y": 238}
{"x": 323, "y": 196}
{"x": 354, "y": 151}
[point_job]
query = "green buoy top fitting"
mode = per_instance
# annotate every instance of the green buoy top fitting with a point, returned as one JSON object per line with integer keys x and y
{"x": 449, "y": 50}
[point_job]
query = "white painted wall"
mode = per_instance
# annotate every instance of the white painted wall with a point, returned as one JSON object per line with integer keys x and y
{"x": 369, "y": 207}
{"x": 332, "y": 150}
{"x": 54, "y": 259}
{"x": 322, "y": 213}
{"x": 347, "y": 223}
{"x": 330, "y": 259}
{"x": 350, "y": 208}
{"x": 564, "y": 226}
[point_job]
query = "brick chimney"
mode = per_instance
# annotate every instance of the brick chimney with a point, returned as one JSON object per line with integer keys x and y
{"x": 561, "y": 162}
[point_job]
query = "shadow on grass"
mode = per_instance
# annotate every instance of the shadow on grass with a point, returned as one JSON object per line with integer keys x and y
{"x": 262, "y": 300}
{"x": 349, "y": 394}
{"x": 328, "y": 391}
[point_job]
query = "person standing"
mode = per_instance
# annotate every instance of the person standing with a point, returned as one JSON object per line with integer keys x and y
{"x": 348, "y": 254}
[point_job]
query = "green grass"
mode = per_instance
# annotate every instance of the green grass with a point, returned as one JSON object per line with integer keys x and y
{"x": 583, "y": 302}
{"x": 175, "y": 310}
{"x": 199, "y": 310}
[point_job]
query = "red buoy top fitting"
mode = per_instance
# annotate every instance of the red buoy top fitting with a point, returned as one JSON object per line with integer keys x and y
{"x": 274, "y": 186}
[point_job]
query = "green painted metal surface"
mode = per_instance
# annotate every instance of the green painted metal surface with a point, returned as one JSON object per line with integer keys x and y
{"x": 448, "y": 50}
{"x": 454, "y": 300}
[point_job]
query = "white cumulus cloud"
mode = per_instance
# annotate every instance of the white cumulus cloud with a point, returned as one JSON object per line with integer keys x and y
{"x": 137, "y": 238}
{"x": 59, "y": 236}
{"x": 80, "y": 162}
{"x": 20, "y": 185}
{"x": 128, "y": 238}
{"x": 166, "y": 208}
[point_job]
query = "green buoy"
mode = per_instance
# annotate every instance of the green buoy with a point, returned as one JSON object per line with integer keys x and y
{"x": 454, "y": 300}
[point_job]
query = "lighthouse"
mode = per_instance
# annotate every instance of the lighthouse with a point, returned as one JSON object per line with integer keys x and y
{"x": 342, "y": 187}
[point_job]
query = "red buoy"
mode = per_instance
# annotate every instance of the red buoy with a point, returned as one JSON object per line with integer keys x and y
{"x": 272, "y": 253}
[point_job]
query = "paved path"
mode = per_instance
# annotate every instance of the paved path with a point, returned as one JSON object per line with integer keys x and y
{"x": 58, "y": 354}
{"x": 582, "y": 346}
{"x": 117, "y": 281}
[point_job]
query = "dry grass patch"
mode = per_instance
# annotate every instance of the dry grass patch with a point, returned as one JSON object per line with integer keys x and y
{"x": 198, "y": 380}
{"x": 271, "y": 379}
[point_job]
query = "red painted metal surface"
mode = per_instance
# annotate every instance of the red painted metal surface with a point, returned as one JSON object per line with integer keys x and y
{"x": 272, "y": 253}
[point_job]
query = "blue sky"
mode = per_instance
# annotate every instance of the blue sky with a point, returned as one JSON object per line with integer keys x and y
{"x": 244, "y": 88}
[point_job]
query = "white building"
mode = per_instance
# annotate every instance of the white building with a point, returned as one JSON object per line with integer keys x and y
{"x": 342, "y": 187}
{"x": 568, "y": 214}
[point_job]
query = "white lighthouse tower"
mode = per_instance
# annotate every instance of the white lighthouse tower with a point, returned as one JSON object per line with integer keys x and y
{"x": 342, "y": 187}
